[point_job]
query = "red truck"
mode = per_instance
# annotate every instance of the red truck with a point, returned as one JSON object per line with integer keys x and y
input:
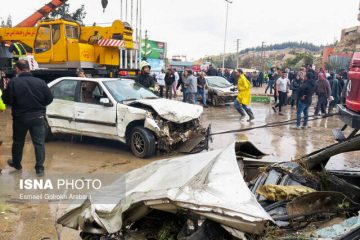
{"x": 350, "y": 112}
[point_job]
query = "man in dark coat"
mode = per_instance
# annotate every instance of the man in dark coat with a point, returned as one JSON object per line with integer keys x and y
{"x": 28, "y": 97}
{"x": 145, "y": 78}
{"x": 169, "y": 81}
{"x": 306, "y": 92}
{"x": 211, "y": 71}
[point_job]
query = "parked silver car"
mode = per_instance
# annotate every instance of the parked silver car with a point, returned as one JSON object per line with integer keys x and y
{"x": 220, "y": 91}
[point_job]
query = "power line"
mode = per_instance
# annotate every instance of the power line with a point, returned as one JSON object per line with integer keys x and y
{"x": 274, "y": 124}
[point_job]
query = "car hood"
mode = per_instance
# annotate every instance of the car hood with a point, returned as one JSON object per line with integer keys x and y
{"x": 174, "y": 111}
{"x": 225, "y": 90}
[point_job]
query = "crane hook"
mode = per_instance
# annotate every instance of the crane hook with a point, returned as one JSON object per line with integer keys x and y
{"x": 104, "y": 4}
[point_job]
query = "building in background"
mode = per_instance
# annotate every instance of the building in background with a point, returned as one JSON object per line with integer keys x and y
{"x": 180, "y": 62}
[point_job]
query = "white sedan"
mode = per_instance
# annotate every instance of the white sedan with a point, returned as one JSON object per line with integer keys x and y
{"x": 125, "y": 111}
{"x": 220, "y": 91}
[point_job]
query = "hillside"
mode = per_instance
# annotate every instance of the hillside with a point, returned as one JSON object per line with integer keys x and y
{"x": 290, "y": 57}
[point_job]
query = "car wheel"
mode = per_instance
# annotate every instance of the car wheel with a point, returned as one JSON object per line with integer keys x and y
{"x": 48, "y": 133}
{"x": 214, "y": 100}
{"x": 142, "y": 142}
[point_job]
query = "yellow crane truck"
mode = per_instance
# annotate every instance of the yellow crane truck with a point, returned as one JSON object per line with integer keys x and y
{"x": 60, "y": 46}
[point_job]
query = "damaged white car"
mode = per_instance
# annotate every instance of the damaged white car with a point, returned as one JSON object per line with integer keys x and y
{"x": 125, "y": 111}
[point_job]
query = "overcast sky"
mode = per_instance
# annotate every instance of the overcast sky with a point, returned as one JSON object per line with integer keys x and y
{"x": 196, "y": 27}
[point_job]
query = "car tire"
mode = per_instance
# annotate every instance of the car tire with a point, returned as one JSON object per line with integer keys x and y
{"x": 142, "y": 142}
{"x": 48, "y": 133}
{"x": 214, "y": 100}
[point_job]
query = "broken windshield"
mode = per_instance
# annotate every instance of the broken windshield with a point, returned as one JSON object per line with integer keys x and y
{"x": 127, "y": 90}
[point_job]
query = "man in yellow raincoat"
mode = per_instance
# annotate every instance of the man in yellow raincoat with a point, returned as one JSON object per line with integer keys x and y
{"x": 242, "y": 101}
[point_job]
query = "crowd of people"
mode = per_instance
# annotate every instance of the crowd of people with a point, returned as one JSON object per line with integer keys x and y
{"x": 302, "y": 85}
{"x": 193, "y": 86}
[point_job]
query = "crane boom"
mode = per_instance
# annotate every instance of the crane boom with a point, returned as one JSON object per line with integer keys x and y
{"x": 42, "y": 12}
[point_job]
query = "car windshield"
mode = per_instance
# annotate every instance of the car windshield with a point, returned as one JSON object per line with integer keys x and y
{"x": 124, "y": 90}
{"x": 218, "y": 82}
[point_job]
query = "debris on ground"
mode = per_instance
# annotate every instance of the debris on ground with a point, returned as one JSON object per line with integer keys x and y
{"x": 280, "y": 193}
{"x": 221, "y": 195}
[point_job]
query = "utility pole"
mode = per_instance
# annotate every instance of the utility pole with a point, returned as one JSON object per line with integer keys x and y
{"x": 228, "y": 2}
{"x": 262, "y": 56}
{"x": 237, "y": 52}
{"x": 146, "y": 40}
{"x": 140, "y": 29}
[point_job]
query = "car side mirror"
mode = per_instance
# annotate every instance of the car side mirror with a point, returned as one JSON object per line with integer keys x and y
{"x": 105, "y": 102}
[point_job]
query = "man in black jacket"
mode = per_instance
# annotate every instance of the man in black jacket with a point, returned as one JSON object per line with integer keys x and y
{"x": 28, "y": 97}
{"x": 306, "y": 91}
{"x": 169, "y": 81}
{"x": 144, "y": 78}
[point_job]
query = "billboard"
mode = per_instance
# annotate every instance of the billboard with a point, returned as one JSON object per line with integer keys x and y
{"x": 152, "y": 49}
{"x": 156, "y": 64}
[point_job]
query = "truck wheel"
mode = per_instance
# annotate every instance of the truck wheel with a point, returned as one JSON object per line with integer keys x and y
{"x": 48, "y": 133}
{"x": 142, "y": 142}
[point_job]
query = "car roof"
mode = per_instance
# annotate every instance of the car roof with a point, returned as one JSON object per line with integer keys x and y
{"x": 214, "y": 77}
{"x": 87, "y": 79}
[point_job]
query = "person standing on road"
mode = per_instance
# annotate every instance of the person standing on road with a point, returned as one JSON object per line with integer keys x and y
{"x": 174, "y": 86}
{"x": 191, "y": 87}
{"x": 305, "y": 98}
{"x": 233, "y": 77}
{"x": 271, "y": 81}
{"x": 144, "y": 78}
{"x": 277, "y": 74}
{"x": 282, "y": 89}
{"x": 183, "y": 82}
{"x": 211, "y": 71}
{"x": 227, "y": 74}
{"x": 335, "y": 93}
{"x": 294, "y": 87}
{"x": 160, "y": 78}
{"x": 28, "y": 97}
{"x": 169, "y": 81}
{"x": 323, "y": 91}
{"x": 201, "y": 86}
{"x": 260, "y": 79}
{"x": 2, "y": 109}
{"x": 243, "y": 99}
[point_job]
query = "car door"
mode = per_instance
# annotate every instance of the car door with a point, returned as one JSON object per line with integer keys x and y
{"x": 93, "y": 118}
{"x": 61, "y": 112}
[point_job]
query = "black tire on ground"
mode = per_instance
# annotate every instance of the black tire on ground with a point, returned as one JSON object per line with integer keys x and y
{"x": 48, "y": 133}
{"x": 142, "y": 142}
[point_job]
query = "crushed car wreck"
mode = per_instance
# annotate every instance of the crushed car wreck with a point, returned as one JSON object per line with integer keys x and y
{"x": 125, "y": 111}
{"x": 212, "y": 193}
{"x": 208, "y": 186}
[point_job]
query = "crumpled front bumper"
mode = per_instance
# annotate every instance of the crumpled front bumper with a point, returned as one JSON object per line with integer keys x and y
{"x": 189, "y": 137}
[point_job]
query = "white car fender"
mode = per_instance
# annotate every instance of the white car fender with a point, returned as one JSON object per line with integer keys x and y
{"x": 152, "y": 126}
{"x": 126, "y": 115}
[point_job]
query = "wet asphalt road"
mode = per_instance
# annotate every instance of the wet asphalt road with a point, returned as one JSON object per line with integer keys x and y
{"x": 89, "y": 155}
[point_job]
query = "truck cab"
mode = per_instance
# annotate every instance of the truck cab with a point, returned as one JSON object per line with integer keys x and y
{"x": 353, "y": 87}
{"x": 350, "y": 112}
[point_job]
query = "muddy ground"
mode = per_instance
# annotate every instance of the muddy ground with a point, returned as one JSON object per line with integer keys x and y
{"x": 22, "y": 220}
